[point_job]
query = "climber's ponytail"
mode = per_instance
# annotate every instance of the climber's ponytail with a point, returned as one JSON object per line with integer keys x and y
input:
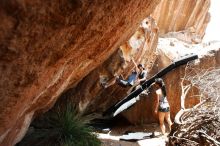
{"x": 160, "y": 82}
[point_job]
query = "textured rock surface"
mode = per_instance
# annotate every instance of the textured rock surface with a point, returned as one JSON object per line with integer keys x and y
{"x": 46, "y": 46}
{"x": 89, "y": 93}
{"x": 188, "y": 16}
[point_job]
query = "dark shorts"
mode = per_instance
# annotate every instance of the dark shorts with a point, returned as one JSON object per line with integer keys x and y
{"x": 164, "y": 109}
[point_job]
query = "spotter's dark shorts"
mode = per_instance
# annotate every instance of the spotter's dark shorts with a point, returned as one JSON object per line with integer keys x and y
{"x": 164, "y": 109}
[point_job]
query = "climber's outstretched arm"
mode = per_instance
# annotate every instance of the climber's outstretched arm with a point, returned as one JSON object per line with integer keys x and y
{"x": 135, "y": 64}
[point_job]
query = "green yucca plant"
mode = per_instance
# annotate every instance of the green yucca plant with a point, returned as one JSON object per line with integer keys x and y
{"x": 61, "y": 128}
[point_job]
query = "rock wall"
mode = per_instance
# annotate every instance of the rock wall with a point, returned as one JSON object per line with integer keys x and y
{"x": 190, "y": 17}
{"x": 47, "y": 47}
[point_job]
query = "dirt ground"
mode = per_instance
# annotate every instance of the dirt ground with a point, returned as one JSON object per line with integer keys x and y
{"x": 108, "y": 142}
{"x": 120, "y": 130}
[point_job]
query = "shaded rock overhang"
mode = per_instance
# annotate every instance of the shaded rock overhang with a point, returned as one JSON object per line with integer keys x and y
{"x": 48, "y": 46}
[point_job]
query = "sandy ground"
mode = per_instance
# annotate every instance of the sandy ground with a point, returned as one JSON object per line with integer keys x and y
{"x": 112, "y": 137}
{"x": 107, "y": 142}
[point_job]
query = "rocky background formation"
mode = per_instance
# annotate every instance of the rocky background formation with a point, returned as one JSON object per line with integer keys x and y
{"x": 67, "y": 49}
{"x": 185, "y": 20}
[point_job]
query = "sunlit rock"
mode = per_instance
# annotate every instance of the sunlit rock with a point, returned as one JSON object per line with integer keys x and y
{"x": 187, "y": 18}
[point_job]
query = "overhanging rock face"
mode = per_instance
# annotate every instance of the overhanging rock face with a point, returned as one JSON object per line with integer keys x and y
{"x": 48, "y": 46}
{"x": 89, "y": 92}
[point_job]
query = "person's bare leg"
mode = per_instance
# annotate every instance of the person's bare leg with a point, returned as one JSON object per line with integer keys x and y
{"x": 167, "y": 117}
{"x": 161, "y": 119}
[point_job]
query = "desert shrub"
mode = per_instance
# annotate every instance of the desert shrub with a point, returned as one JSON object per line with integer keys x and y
{"x": 61, "y": 127}
{"x": 199, "y": 125}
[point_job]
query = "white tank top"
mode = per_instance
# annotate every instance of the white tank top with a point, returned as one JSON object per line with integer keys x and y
{"x": 163, "y": 102}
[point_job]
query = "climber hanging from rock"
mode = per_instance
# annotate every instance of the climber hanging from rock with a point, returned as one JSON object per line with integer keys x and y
{"x": 142, "y": 74}
{"x": 131, "y": 98}
{"x": 137, "y": 76}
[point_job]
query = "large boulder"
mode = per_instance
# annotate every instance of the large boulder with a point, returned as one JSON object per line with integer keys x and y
{"x": 47, "y": 47}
